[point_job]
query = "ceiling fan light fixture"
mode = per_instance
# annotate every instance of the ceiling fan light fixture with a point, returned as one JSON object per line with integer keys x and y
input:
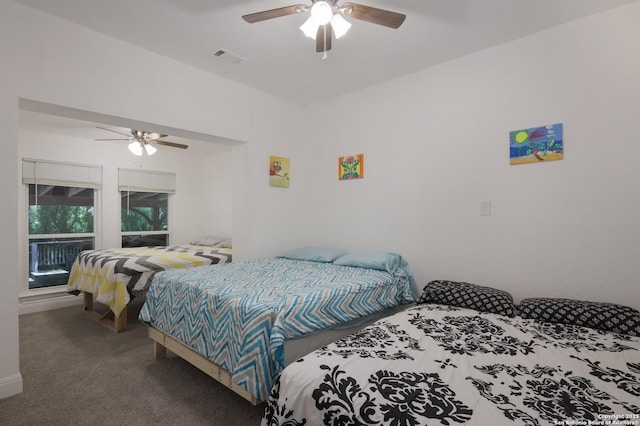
{"x": 135, "y": 148}
{"x": 150, "y": 149}
{"x": 321, "y": 12}
{"x": 340, "y": 25}
{"x": 310, "y": 28}
{"x": 326, "y": 20}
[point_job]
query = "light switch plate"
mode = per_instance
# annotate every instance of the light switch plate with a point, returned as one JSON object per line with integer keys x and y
{"x": 485, "y": 208}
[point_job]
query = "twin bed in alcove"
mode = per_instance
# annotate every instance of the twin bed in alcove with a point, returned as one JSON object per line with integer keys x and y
{"x": 114, "y": 277}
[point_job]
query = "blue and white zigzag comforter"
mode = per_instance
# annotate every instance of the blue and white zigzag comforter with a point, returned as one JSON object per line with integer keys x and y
{"x": 238, "y": 315}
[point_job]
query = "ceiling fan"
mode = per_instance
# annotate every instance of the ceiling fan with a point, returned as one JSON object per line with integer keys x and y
{"x": 141, "y": 141}
{"x": 327, "y": 19}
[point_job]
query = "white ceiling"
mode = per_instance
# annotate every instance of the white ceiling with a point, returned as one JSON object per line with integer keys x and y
{"x": 281, "y": 61}
{"x": 278, "y": 58}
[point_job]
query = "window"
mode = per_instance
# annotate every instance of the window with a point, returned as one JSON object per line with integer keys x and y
{"x": 61, "y": 217}
{"x": 61, "y": 225}
{"x": 145, "y": 219}
{"x": 145, "y": 207}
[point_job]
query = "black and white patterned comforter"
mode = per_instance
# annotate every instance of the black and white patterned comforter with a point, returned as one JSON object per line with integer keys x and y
{"x": 441, "y": 365}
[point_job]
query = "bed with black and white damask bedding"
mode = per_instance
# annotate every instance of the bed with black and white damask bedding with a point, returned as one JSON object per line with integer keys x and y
{"x": 435, "y": 364}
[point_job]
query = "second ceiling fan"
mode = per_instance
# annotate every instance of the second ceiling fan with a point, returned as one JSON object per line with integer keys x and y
{"x": 327, "y": 19}
{"x": 141, "y": 141}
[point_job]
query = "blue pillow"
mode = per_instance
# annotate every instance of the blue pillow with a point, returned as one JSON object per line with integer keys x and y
{"x": 392, "y": 263}
{"x": 379, "y": 260}
{"x": 314, "y": 254}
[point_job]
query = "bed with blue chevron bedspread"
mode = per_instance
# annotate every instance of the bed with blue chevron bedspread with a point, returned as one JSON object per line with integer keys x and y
{"x": 239, "y": 315}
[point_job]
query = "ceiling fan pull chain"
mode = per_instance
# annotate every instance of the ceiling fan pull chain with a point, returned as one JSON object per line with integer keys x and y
{"x": 324, "y": 54}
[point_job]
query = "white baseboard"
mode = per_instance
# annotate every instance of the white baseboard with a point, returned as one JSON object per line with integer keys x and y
{"x": 10, "y": 386}
{"x": 29, "y": 305}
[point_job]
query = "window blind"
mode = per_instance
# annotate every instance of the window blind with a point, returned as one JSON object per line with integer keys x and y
{"x": 132, "y": 180}
{"x": 44, "y": 172}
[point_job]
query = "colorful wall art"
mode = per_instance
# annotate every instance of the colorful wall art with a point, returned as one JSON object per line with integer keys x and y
{"x": 351, "y": 167}
{"x": 279, "y": 171}
{"x": 536, "y": 144}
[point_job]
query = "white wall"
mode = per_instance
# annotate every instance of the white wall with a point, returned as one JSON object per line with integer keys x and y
{"x": 217, "y": 216}
{"x": 10, "y": 378}
{"x": 436, "y": 145}
{"x": 45, "y": 59}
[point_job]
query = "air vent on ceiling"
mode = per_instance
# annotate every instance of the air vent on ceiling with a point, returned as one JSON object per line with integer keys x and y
{"x": 227, "y": 56}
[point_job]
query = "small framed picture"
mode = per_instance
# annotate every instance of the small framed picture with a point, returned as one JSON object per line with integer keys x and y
{"x": 536, "y": 144}
{"x": 279, "y": 171}
{"x": 351, "y": 167}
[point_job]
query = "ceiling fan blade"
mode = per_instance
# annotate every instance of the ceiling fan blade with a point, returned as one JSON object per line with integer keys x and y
{"x": 373, "y": 15}
{"x": 274, "y": 13}
{"x": 171, "y": 144}
{"x": 323, "y": 38}
{"x": 114, "y": 131}
{"x": 112, "y": 139}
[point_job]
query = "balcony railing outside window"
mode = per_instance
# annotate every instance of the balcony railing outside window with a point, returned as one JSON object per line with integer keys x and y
{"x": 50, "y": 260}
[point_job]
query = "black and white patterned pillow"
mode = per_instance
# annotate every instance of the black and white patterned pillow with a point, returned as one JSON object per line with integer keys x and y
{"x": 467, "y": 295}
{"x": 602, "y": 316}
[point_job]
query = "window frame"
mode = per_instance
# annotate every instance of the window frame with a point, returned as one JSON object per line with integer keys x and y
{"x": 166, "y": 232}
{"x": 57, "y": 173}
{"x": 149, "y": 181}
{"x": 61, "y": 288}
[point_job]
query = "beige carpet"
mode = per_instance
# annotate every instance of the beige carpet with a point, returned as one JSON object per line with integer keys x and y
{"x": 77, "y": 372}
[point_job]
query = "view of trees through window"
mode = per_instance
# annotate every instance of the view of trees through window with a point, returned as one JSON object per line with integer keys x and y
{"x": 60, "y": 219}
{"x": 144, "y": 218}
{"x": 61, "y": 224}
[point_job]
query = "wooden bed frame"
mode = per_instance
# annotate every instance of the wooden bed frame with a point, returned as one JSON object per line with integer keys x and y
{"x": 107, "y": 319}
{"x": 163, "y": 341}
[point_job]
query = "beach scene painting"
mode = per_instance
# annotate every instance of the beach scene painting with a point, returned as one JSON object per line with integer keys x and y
{"x": 536, "y": 144}
{"x": 279, "y": 171}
